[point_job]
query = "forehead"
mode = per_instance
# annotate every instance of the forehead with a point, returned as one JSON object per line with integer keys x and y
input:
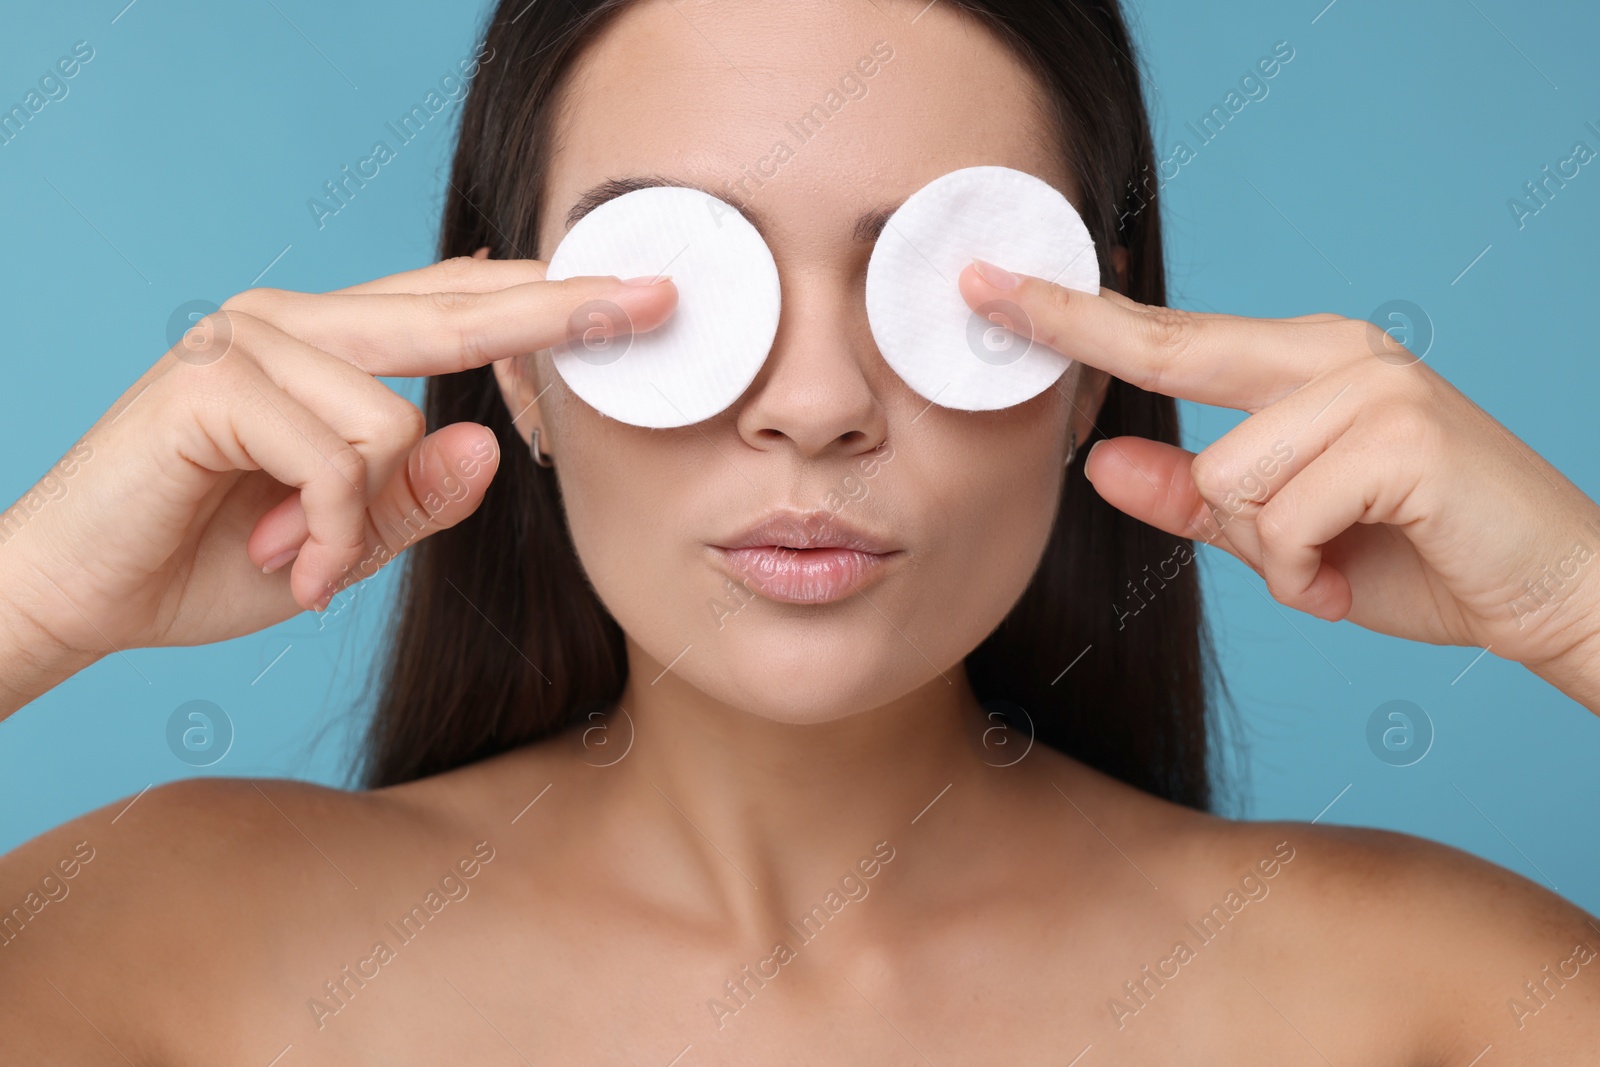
{"x": 809, "y": 113}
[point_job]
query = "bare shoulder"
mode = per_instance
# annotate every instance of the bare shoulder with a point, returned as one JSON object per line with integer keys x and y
{"x": 1439, "y": 953}
{"x": 185, "y": 893}
{"x": 221, "y": 892}
{"x": 1484, "y": 956}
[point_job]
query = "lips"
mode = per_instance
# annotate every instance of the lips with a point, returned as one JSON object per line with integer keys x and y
{"x": 799, "y": 558}
{"x": 799, "y": 530}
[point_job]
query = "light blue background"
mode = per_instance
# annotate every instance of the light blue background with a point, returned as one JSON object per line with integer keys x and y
{"x": 1378, "y": 167}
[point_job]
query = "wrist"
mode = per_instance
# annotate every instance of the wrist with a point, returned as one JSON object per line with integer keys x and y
{"x": 1575, "y": 672}
{"x": 32, "y": 660}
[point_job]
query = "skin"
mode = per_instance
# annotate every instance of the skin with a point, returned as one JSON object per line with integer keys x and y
{"x": 638, "y": 866}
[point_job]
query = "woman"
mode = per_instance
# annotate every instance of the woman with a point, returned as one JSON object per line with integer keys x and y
{"x": 628, "y": 808}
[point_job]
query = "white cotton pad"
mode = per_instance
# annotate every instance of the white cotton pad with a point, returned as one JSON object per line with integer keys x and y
{"x": 946, "y": 351}
{"x": 710, "y": 348}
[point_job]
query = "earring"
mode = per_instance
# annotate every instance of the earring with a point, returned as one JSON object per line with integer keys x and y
{"x": 1072, "y": 450}
{"x": 539, "y": 457}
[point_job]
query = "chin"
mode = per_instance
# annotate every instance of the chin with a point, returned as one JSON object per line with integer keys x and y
{"x": 794, "y": 672}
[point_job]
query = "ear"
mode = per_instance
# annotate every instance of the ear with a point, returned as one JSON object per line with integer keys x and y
{"x": 1093, "y": 382}
{"x": 519, "y": 388}
{"x": 1119, "y": 260}
{"x": 1091, "y": 391}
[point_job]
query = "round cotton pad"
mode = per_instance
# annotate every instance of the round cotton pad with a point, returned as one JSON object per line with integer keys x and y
{"x": 709, "y": 350}
{"x": 949, "y": 353}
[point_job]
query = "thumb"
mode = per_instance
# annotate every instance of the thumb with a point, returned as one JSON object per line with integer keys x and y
{"x": 1152, "y": 482}
{"x": 442, "y": 482}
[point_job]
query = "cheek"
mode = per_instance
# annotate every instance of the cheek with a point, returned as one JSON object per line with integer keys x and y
{"x": 625, "y": 501}
{"x": 998, "y": 503}
{"x": 972, "y": 496}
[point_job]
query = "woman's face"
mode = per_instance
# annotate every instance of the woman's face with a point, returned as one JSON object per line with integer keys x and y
{"x": 704, "y": 93}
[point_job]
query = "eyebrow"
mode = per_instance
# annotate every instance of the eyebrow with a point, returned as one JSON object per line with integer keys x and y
{"x": 867, "y": 226}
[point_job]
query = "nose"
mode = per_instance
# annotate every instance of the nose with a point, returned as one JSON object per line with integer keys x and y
{"x": 815, "y": 394}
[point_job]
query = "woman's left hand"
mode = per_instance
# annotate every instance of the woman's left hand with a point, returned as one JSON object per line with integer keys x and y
{"x": 1362, "y": 486}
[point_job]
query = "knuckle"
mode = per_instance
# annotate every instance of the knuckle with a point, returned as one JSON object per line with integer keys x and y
{"x": 1057, "y": 304}
{"x": 1410, "y": 425}
{"x": 412, "y": 424}
{"x": 241, "y": 326}
{"x": 398, "y": 425}
{"x": 215, "y": 335}
{"x": 1059, "y": 298}
{"x": 450, "y": 301}
{"x": 351, "y": 466}
{"x": 1211, "y": 476}
{"x": 1172, "y": 333}
{"x": 1417, "y": 383}
{"x": 1171, "y": 330}
{"x": 1278, "y": 589}
{"x": 1274, "y": 524}
{"x": 1367, "y": 334}
{"x": 453, "y": 310}
{"x": 253, "y": 301}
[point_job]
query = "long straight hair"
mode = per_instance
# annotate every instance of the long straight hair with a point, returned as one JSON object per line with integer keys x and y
{"x": 500, "y": 641}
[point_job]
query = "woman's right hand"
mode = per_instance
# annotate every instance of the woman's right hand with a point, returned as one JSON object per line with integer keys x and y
{"x": 264, "y": 436}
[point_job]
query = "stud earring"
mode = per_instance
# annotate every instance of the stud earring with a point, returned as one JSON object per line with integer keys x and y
{"x": 1072, "y": 450}
{"x": 539, "y": 457}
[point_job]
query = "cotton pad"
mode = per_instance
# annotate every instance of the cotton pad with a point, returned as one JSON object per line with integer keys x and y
{"x": 943, "y": 349}
{"x": 710, "y": 348}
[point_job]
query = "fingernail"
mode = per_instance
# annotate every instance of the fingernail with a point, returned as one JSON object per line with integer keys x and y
{"x": 1090, "y": 456}
{"x": 279, "y": 560}
{"x": 647, "y": 279}
{"x": 998, "y": 277}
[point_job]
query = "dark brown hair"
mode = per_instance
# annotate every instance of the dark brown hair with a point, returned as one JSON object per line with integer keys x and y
{"x": 500, "y": 639}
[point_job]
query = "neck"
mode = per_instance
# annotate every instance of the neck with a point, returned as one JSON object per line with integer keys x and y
{"x": 764, "y": 816}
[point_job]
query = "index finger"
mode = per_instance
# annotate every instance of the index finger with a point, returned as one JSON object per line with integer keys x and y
{"x": 416, "y": 334}
{"x": 460, "y": 274}
{"x": 1225, "y": 360}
